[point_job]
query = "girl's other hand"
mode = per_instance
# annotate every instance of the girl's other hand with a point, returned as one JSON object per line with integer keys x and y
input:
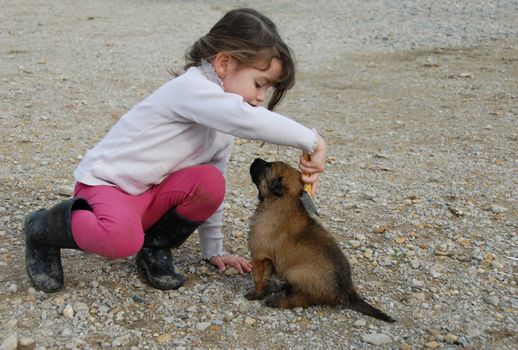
{"x": 240, "y": 264}
{"x": 311, "y": 169}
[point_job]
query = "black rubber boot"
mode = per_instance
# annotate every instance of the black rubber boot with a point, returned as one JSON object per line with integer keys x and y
{"x": 46, "y": 232}
{"x": 155, "y": 260}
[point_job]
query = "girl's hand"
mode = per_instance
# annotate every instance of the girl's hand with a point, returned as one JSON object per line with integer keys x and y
{"x": 240, "y": 264}
{"x": 311, "y": 169}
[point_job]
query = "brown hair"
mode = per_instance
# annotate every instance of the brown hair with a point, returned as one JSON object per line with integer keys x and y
{"x": 251, "y": 38}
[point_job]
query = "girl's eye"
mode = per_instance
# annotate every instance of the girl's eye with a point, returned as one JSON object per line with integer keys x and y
{"x": 257, "y": 85}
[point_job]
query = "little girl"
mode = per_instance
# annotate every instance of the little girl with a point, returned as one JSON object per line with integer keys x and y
{"x": 159, "y": 174}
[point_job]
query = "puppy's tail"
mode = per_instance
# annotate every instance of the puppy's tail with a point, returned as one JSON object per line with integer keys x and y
{"x": 357, "y": 303}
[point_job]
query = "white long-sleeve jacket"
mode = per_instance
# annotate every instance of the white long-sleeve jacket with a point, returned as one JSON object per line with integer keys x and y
{"x": 190, "y": 120}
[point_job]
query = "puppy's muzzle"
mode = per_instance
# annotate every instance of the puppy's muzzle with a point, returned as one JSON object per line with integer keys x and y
{"x": 258, "y": 170}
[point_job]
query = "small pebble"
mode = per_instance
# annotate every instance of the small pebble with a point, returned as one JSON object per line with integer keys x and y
{"x": 250, "y": 321}
{"x": 68, "y": 311}
{"x": 376, "y": 338}
{"x": 10, "y": 343}
{"x": 202, "y": 326}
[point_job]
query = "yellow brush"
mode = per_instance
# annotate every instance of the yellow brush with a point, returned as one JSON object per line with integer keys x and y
{"x": 305, "y": 197}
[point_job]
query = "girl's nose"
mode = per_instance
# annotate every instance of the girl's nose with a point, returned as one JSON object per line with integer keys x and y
{"x": 260, "y": 97}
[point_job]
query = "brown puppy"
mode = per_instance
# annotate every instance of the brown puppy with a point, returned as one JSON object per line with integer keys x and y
{"x": 286, "y": 241}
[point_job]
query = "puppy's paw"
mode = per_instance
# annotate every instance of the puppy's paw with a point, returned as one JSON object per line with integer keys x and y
{"x": 252, "y": 295}
{"x": 273, "y": 300}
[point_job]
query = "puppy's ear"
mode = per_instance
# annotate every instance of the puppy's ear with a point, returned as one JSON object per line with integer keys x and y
{"x": 276, "y": 186}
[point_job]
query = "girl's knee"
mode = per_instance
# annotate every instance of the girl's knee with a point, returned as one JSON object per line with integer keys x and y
{"x": 211, "y": 184}
{"x": 125, "y": 243}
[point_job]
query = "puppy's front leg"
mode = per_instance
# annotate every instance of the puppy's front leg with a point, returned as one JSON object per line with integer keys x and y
{"x": 263, "y": 270}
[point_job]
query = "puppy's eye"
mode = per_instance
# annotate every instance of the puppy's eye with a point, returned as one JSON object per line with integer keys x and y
{"x": 276, "y": 186}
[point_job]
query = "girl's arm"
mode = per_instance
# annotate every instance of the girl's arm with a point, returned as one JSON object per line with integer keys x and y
{"x": 197, "y": 99}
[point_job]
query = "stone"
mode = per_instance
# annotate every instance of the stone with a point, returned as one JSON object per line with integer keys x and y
{"x": 13, "y": 288}
{"x": 400, "y": 239}
{"x": 164, "y": 338}
{"x": 368, "y": 253}
{"x": 118, "y": 342}
{"x": 26, "y": 341}
{"x": 10, "y": 343}
{"x": 451, "y": 338}
{"x": 355, "y": 244}
{"x": 381, "y": 229}
{"x": 419, "y": 296}
{"x": 376, "y": 338}
{"x": 203, "y": 326}
{"x": 250, "y": 321}
{"x": 417, "y": 284}
{"x": 360, "y": 322}
{"x": 492, "y": 300}
{"x": 231, "y": 271}
{"x": 229, "y": 316}
{"x": 432, "y": 345}
{"x": 405, "y": 346}
{"x": 68, "y": 311}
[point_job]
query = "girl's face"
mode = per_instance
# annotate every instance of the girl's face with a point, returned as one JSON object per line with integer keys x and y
{"x": 249, "y": 82}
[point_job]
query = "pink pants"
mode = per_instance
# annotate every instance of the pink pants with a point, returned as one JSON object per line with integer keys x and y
{"x": 115, "y": 228}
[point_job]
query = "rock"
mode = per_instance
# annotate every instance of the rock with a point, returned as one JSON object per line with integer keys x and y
{"x": 360, "y": 322}
{"x": 65, "y": 190}
{"x": 381, "y": 229}
{"x": 404, "y": 346}
{"x": 231, "y": 271}
{"x": 164, "y": 338}
{"x": 203, "y": 326}
{"x": 416, "y": 284}
{"x": 387, "y": 262}
{"x": 229, "y": 316}
{"x": 192, "y": 309}
{"x": 120, "y": 341}
{"x": 492, "y": 300}
{"x": 355, "y": 244}
{"x": 81, "y": 307}
{"x": 250, "y": 321}
{"x": 138, "y": 299}
{"x": 376, "y": 338}
{"x": 496, "y": 209}
{"x": 451, "y": 338}
{"x": 419, "y": 296}
{"x": 68, "y": 311}
{"x": 456, "y": 211}
{"x": 26, "y": 341}
{"x": 10, "y": 343}
{"x": 497, "y": 265}
{"x": 432, "y": 345}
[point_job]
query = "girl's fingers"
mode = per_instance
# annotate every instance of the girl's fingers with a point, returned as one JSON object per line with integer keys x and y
{"x": 248, "y": 266}
{"x": 239, "y": 268}
{"x": 220, "y": 264}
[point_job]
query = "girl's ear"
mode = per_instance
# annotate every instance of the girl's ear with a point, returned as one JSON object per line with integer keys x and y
{"x": 222, "y": 63}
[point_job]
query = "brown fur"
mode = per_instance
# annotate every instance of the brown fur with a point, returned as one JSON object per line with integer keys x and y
{"x": 286, "y": 241}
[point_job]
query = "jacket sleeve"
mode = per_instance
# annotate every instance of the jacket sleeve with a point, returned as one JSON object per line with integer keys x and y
{"x": 204, "y": 102}
{"x": 211, "y": 237}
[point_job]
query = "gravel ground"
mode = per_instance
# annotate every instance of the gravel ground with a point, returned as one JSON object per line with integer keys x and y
{"x": 418, "y": 101}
